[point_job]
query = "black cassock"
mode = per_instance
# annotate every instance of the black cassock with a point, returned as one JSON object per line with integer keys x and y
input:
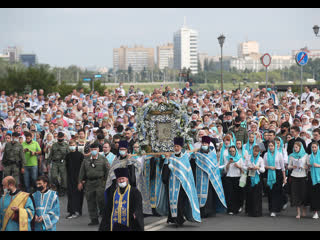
{"x": 136, "y": 221}
{"x": 75, "y": 197}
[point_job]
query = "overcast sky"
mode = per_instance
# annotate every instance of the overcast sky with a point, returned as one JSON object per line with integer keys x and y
{"x": 87, "y": 36}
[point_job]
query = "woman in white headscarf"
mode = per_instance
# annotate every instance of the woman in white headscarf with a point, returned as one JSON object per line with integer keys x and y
{"x": 254, "y": 129}
{"x": 305, "y": 123}
{"x": 288, "y": 117}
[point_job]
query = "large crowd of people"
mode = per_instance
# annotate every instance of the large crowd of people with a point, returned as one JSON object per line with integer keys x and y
{"x": 246, "y": 145}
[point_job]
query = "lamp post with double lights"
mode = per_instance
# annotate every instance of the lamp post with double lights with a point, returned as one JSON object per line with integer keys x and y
{"x": 221, "y": 39}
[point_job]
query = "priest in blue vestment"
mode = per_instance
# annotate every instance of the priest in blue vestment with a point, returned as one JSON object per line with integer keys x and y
{"x": 208, "y": 181}
{"x": 16, "y": 207}
{"x": 123, "y": 211}
{"x": 179, "y": 201}
{"x": 47, "y": 206}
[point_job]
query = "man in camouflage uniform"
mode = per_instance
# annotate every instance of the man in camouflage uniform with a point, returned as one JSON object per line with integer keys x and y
{"x": 58, "y": 164}
{"x": 93, "y": 175}
{"x": 13, "y": 158}
{"x": 239, "y": 132}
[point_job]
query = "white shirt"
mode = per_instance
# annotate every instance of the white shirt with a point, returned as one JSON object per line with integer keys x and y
{"x": 306, "y": 96}
{"x": 250, "y": 164}
{"x": 279, "y": 161}
{"x": 9, "y": 123}
{"x": 245, "y": 155}
{"x": 285, "y": 155}
{"x": 301, "y": 164}
{"x": 250, "y": 146}
{"x": 121, "y": 91}
{"x": 185, "y": 101}
{"x": 233, "y": 170}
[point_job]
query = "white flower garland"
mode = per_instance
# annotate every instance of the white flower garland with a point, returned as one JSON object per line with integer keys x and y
{"x": 151, "y": 114}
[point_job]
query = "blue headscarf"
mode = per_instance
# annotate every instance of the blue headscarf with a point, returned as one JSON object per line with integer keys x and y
{"x": 281, "y": 144}
{"x": 234, "y": 139}
{"x": 250, "y": 152}
{"x": 256, "y": 179}
{"x": 242, "y": 150}
{"x": 222, "y": 151}
{"x": 235, "y": 158}
{"x": 215, "y": 129}
{"x": 300, "y": 154}
{"x": 244, "y": 124}
{"x": 315, "y": 172}
{"x": 271, "y": 159}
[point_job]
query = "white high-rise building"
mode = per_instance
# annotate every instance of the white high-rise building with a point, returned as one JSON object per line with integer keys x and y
{"x": 185, "y": 53}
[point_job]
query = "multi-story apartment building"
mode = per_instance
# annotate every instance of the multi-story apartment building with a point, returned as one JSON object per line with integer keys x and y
{"x": 165, "y": 56}
{"x": 138, "y": 58}
{"x": 248, "y": 48}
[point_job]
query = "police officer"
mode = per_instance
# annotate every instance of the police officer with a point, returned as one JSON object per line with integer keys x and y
{"x": 99, "y": 140}
{"x": 93, "y": 175}
{"x": 13, "y": 158}
{"x": 58, "y": 164}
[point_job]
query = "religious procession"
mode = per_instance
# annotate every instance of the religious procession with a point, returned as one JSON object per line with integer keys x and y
{"x": 183, "y": 154}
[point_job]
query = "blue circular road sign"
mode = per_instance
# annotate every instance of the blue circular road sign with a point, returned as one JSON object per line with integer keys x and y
{"x": 302, "y": 58}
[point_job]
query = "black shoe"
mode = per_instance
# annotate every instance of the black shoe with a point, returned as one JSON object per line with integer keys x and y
{"x": 94, "y": 222}
{"x": 154, "y": 213}
{"x": 180, "y": 222}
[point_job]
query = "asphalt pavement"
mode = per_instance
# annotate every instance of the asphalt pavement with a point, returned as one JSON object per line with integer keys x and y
{"x": 81, "y": 223}
{"x": 285, "y": 221}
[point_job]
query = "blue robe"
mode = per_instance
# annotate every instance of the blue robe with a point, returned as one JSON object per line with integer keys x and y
{"x": 181, "y": 176}
{"x": 110, "y": 157}
{"x": 47, "y": 206}
{"x": 12, "y": 225}
{"x": 208, "y": 171}
{"x": 154, "y": 185}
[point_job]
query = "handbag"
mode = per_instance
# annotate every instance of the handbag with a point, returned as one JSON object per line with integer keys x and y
{"x": 243, "y": 180}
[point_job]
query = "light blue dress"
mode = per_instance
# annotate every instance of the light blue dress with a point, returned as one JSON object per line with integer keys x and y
{"x": 47, "y": 207}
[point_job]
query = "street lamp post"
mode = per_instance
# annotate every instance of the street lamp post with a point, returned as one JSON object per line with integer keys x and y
{"x": 221, "y": 39}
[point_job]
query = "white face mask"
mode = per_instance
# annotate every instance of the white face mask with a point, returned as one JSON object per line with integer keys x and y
{"x": 123, "y": 184}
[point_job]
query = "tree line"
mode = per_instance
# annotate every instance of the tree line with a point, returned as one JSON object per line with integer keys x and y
{"x": 18, "y": 78}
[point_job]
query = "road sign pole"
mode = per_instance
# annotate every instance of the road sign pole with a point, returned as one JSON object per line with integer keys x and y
{"x": 301, "y": 59}
{"x": 266, "y": 61}
{"x": 266, "y": 78}
{"x": 301, "y": 81}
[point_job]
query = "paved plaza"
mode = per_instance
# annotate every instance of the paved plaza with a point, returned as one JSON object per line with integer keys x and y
{"x": 285, "y": 221}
